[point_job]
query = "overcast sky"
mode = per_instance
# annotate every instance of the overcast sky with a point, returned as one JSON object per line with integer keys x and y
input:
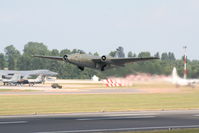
{"x": 102, "y": 25}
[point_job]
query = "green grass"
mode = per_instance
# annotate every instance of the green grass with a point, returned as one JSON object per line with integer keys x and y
{"x": 167, "y": 131}
{"x": 41, "y": 104}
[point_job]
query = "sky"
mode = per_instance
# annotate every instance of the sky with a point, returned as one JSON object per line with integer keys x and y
{"x": 102, "y": 25}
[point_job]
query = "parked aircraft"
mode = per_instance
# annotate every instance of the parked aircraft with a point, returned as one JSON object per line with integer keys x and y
{"x": 18, "y": 80}
{"x": 38, "y": 80}
{"x": 13, "y": 80}
{"x": 13, "y": 77}
{"x": 95, "y": 62}
{"x": 7, "y": 74}
{"x": 178, "y": 81}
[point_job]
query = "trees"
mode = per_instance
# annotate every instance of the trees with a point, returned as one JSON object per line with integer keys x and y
{"x": 130, "y": 54}
{"x": 171, "y": 56}
{"x": 34, "y": 48}
{"x": 120, "y": 52}
{"x": 157, "y": 55}
{"x": 113, "y": 53}
{"x": 77, "y": 51}
{"x": 144, "y": 54}
{"x": 64, "y": 52}
{"x": 168, "y": 56}
{"x": 2, "y": 61}
{"x": 12, "y": 55}
{"x": 96, "y": 54}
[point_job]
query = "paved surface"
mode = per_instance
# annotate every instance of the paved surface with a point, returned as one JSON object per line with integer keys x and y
{"x": 100, "y": 122}
{"x": 47, "y": 90}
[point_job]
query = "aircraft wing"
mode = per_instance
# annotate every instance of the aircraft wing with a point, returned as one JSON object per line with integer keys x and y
{"x": 50, "y": 57}
{"x": 121, "y": 61}
{"x": 129, "y": 60}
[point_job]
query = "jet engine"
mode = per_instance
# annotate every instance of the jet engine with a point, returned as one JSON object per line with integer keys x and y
{"x": 65, "y": 57}
{"x": 103, "y": 58}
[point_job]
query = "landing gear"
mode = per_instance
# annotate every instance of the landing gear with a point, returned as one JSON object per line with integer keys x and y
{"x": 81, "y": 68}
{"x": 103, "y": 68}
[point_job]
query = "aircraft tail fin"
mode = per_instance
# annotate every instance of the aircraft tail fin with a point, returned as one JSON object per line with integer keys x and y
{"x": 16, "y": 77}
{"x": 40, "y": 78}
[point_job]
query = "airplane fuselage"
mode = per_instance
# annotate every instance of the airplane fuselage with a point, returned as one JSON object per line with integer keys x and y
{"x": 85, "y": 60}
{"x": 81, "y": 60}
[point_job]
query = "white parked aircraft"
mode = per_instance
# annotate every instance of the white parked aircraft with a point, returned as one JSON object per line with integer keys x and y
{"x": 178, "y": 81}
{"x": 13, "y": 80}
{"x": 18, "y": 80}
{"x": 38, "y": 80}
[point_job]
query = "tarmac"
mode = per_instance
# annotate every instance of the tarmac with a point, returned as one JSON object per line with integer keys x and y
{"x": 37, "y": 90}
{"x": 100, "y": 122}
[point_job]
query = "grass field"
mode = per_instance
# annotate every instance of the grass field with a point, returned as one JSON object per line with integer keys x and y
{"x": 167, "y": 131}
{"x": 41, "y": 104}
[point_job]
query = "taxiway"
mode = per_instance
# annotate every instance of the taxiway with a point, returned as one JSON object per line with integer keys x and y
{"x": 100, "y": 122}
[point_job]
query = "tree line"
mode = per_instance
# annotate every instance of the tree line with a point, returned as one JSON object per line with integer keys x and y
{"x": 13, "y": 59}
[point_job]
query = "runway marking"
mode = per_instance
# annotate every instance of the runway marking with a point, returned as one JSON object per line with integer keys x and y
{"x": 12, "y": 122}
{"x": 122, "y": 129}
{"x": 116, "y": 118}
{"x": 128, "y": 114}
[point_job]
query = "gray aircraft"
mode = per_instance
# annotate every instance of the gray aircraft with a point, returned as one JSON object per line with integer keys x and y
{"x": 16, "y": 79}
{"x": 101, "y": 63}
{"x": 7, "y": 74}
{"x": 13, "y": 80}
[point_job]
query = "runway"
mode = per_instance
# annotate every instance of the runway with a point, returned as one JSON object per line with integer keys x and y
{"x": 100, "y": 122}
{"x": 50, "y": 91}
